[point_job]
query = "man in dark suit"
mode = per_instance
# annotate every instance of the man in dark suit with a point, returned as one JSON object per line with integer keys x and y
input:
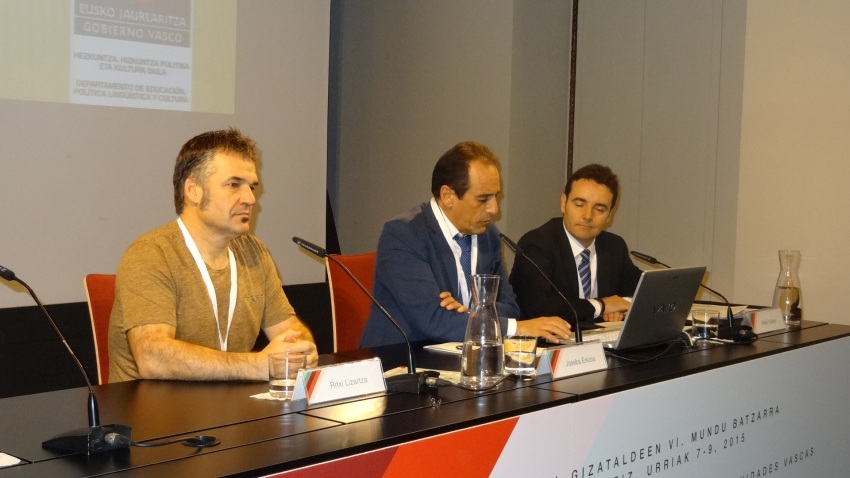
{"x": 426, "y": 255}
{"x": 561, "y": 246}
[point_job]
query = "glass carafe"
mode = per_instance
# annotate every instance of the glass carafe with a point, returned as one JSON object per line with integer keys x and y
{"x": 788, "y": 296}
{"x": 483, "y": 352}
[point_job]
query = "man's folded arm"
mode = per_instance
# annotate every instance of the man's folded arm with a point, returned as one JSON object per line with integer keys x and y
{"x": 159, "y": 355}
{"x": 415, "y": 291}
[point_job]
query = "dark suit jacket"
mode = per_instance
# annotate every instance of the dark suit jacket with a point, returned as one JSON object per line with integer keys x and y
{"x": 414, "y": 264}
{"x": 549, "y": 247}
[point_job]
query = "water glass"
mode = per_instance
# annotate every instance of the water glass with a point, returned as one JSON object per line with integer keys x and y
{"x": 283, "y": 369}
{"x": 705, "y": 323}
{"x": 521, "y": 356}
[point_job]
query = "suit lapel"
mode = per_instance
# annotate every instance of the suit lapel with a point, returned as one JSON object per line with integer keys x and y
{"x": 604, "y": 266}
{"x": 569, "y": 261}
{"x": 486, "y": 262}
{"x": 443, "y": 251}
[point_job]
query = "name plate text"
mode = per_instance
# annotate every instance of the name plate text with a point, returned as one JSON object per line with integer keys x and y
{"x": 340, "y": 381}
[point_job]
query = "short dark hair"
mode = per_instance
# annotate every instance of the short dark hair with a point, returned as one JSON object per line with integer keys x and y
{"x": 452, "y": 169}
{"x": 597, "y": 173}
{"x": 196, "y": 157}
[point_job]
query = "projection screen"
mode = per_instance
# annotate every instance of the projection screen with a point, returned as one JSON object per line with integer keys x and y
{"x": 98, "y": 96}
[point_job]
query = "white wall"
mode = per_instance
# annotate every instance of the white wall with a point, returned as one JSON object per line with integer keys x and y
{"x": 81, "y": 182}
{"x": 710, "y": 112}
{"x": 535, "y": 171}
{"x": 727, "y": 121}
{"x": 648, "y": 104}
{"x": 416, "y": 78}
{"x": 795, "y": 151}
{"x": 657, "y": 99}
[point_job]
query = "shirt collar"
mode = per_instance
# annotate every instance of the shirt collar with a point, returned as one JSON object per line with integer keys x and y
{"x": 576, "y": 246}
{"x": 449, "y": 229}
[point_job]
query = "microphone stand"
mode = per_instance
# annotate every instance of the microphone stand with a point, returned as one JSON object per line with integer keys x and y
{"x": 518, "y": 251}
{"x": 410, "y": 382}
{"x": 82, "y": 440}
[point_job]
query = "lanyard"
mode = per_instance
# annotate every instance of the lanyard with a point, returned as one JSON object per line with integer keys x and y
{"x": 202, "y": 267}
{"x": 448, "y": 232}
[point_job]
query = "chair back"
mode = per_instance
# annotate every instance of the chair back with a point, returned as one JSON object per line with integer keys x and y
{"x": 100, "y": 294}
{"x": 350, "y": 306}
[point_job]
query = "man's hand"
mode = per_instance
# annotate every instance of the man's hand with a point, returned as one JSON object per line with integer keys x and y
{"x": 549, "y": 328}
{"x": 613, "y": 316}
{"x": 291, "y": 341}
{"x": 450, "y": 303}
{"x": 615, "y": 308}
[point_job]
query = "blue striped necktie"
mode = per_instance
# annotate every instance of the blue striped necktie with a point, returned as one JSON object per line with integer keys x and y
{"x": 584, "y": 272}
{"x": 465, "y": 257}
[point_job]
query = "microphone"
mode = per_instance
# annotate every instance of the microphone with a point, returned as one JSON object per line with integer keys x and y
{"x": 518, "y": 251}
{"x": 95, "y": 438}
{"x": 410, "y": 382}
{"x": 652, "y": 260}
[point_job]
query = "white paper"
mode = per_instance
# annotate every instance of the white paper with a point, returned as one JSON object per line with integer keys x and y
{"x": 448, "y": 347}
{"x": 8, "y": 460}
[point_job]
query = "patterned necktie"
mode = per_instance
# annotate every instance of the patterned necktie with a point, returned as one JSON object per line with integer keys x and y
{"x": 584, "y": 272}
{"x": 465, "y": 257}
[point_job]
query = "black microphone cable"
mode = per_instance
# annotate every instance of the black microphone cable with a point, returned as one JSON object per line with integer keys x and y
{"x": 200, "y": 441}
{"x": 639, "y": 359}
{"x": 439, "y": 382}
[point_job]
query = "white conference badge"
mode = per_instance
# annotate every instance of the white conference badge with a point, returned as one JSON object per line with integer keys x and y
{"x": 339, "y": 381}
{"x": 566, "y": 360}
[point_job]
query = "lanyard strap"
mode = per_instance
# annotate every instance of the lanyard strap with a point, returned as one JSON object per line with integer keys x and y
{"x": 464, "y": 294}
{"x": 202, "y": 267}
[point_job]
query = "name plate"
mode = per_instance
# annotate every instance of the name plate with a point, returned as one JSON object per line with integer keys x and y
{"x": 766, "y": 320}
{"x": 566, "y": 360}
{"x": 340, "y": 381}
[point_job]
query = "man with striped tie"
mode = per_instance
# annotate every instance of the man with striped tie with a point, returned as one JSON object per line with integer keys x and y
{"x": 425, "y": 257}
{"x": 588, "y": 264}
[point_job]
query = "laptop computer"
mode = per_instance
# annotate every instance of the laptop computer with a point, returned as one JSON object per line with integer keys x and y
{"x": 660, "y": 307}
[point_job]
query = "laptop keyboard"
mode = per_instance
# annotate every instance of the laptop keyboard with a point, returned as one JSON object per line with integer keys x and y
{"x": 606, "y": 336}
{"x": 607, "y": 333}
